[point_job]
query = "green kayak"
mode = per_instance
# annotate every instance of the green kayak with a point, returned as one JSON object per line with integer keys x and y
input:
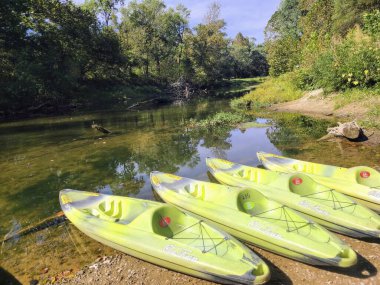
{"x": 250, "y": 216}
{"x": 163, "y": 235}
{"x": 362, "y": 183}
{"x": 300, "y": 192}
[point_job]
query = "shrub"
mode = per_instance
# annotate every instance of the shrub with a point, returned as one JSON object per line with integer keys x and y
{"x": 274, "y": 90}
{"x": 222, "y": 119}
{"x": 355, "y": 62}
{"x": 372, "y": 23}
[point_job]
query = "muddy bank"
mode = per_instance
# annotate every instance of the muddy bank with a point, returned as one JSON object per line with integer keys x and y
{"x": 316, "y": 104}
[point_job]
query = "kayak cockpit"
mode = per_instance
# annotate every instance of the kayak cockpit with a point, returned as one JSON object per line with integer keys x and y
{"x": 115, "y": 209}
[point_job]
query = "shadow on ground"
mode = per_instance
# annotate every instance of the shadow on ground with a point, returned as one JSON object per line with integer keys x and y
{"x": 7, "y": 279}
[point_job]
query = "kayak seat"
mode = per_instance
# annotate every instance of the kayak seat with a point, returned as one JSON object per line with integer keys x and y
{"x": 304, "y": 167}
{"x": 252, "y": 202}
{"x": 114, "y": 210}
{"x": 166, "y": 221}
{"x": 365, "y": 175}
{"x": 303, "y": 185}
{"x": 196, "y": 190}
{"x": 257, "y": 175}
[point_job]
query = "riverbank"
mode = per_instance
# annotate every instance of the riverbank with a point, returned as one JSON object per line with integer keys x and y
{"x": 280, "y": 94}
{"x": 130, "y": 98}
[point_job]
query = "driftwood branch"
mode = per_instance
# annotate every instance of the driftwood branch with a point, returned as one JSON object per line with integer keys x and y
{"x": 350, "y": 130}
{"x": 181, "y": 90}
{"x": 100, "y": 128}
{"x": 55, "y": 219}
{"x": 141, "y": 103}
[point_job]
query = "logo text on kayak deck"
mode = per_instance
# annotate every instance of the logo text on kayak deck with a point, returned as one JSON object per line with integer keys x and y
{"x": 264, "y": 229}
{"x": 311, "y": 206}
{"x": 180, "y": 252}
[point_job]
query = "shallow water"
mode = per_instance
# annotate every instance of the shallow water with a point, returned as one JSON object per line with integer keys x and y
{"x": 42, "y": 156}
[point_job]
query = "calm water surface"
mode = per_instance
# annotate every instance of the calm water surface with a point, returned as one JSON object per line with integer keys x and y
{"x": 42, "y": 156}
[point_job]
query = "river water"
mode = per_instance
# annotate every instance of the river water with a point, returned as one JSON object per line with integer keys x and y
{"x": 39, "y": 157}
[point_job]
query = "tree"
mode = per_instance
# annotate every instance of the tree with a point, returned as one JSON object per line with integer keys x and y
{"x": 209, "y": 48}
{"x": 53, "y": 42}
{"x": 153, "y": 33}
{"x": 348, "y": 13}
{"x": 248, "y": 59}
{"x": 282, "y": 36}
{"x": 106, "y": 8}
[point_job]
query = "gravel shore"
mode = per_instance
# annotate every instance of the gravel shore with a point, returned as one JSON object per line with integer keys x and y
{"x": 124, "y": 269}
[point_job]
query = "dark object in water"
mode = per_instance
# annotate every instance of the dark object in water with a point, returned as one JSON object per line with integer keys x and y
{"x": 55, "y": 219}
{"x": 100, "y": 128}
{"x": 8, "y": 278}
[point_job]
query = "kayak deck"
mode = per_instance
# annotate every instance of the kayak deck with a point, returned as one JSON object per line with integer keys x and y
{"x": 300, "y": 192}
{"x": 251, "y": 216}
{"x": 361, "y": 183}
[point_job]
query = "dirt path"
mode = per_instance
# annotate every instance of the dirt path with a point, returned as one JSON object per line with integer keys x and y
{"x": 314, "y": 103}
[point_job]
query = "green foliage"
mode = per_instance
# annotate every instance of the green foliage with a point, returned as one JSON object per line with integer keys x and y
{"x": 372, "y": 23}
{"x": 209, "y": 49}
{"x": 221, "y": 119}
{"x": 348, "y": 13}
{"x": 284, "y": 22}
{"x": 351, "y": 65}
{"x": 282, "y": 35}
{"x": 283, "y": 55}
{"x": 273, "y": 90}
{"x": 248, "y": 59}
{"x": 51, "y": 52}
{"x": 330, "y": 52}
{"x": 106, "y": 8}
{"x": 154, "y": 35}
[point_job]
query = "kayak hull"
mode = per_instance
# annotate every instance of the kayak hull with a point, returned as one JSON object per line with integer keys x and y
{"x": 163, "y": 235}
{"x": 298, "y": 191}
{"x": 361, "y": 183}
{"x": 309, "y": 243}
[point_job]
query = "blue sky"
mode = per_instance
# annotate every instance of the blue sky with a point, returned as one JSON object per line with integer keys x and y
{"x": 246, "y": 16}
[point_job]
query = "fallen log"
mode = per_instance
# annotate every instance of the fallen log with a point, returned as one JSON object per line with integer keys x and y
{"x": 349, "y": 130}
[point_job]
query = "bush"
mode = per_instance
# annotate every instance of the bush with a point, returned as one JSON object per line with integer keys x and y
{"x": 372, "y": 23}
{"x": 222, "y": 119}
{"x": 355, "y": 62}
{"x": 273, "y": 90}
{"x": 283, "y": 55}
{"x": 239, "y": 104}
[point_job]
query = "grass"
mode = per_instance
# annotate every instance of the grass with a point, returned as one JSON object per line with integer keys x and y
{"x": 221, "y": 119}
{"x": 272, "y": 90}
{"x": 368, "y": 97}
{"x": 372, "y": 120}
{"x": 238, "y": 86}
{"x": 356, "y": 95}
